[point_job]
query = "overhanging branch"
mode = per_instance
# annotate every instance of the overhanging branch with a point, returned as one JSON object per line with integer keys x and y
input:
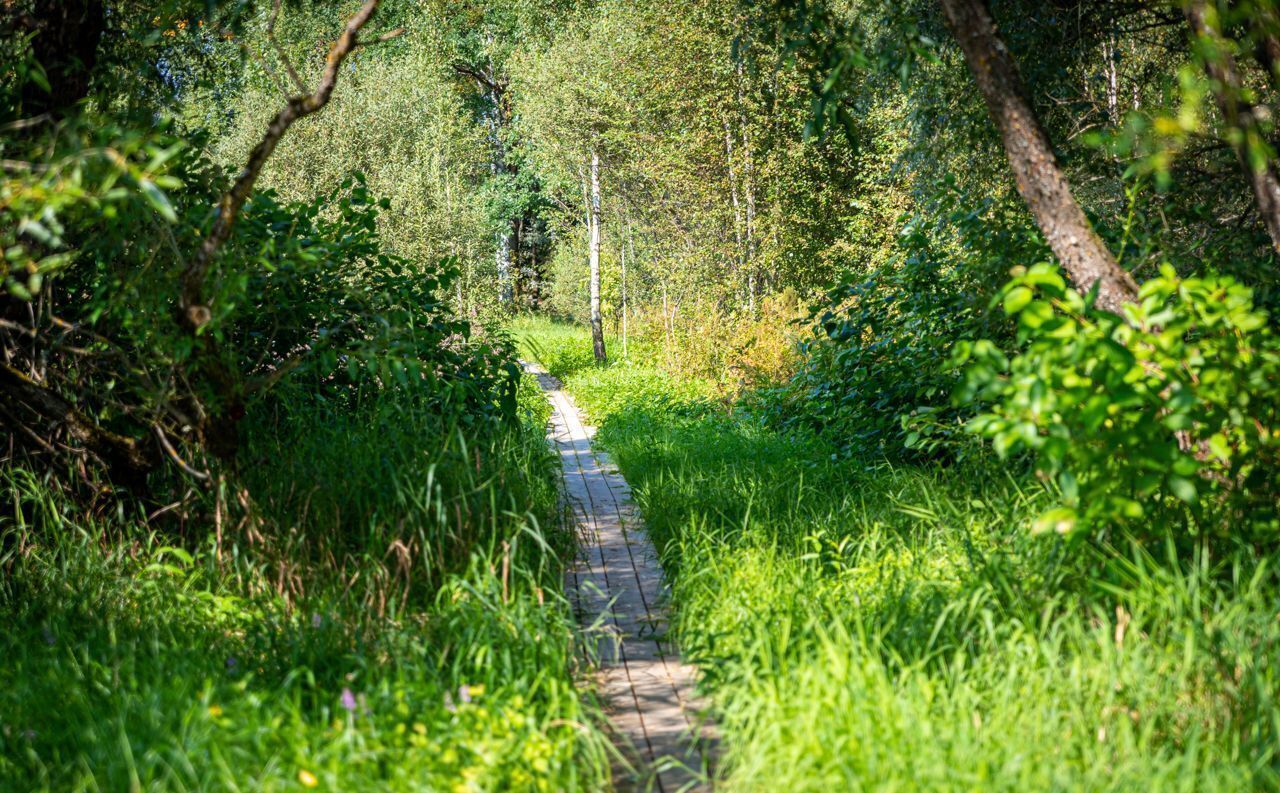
{"x": 194, "y": 312}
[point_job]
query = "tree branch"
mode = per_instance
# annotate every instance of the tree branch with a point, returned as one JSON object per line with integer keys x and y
{"x": 483, "y": 78}
{"x": 1248, "y": 133}
{"x": 193, "y": 313}
{"x": 126, "y": 458}
{"x": 288, "y": 64}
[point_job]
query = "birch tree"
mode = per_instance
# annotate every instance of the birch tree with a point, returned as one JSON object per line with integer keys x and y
{"x": 597, "y": 323}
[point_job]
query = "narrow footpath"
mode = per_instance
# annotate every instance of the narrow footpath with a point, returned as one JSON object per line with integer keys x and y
{"x": 617, "y": 589}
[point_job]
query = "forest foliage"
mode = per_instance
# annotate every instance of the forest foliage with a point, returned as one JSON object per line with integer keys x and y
{"x": 259, "y": 258}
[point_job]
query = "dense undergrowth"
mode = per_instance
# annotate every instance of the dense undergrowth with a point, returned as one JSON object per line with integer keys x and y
{"x": 863, "y": 625}
{"x": 388, "y": 617}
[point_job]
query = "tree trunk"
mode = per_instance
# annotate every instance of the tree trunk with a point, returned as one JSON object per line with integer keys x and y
{"x": 739, "y": 248}
{"x": 493, "y": 88}
{"x": 518, "y": 280}
{"x": 1113, "y": 78}
{"x": 597, "y": 324}
{"x": 503, "y": 259}
{"x": 749, "y": 193}
{"x": 623, "y": 251}
{"x": 1246, "y": 134}
{"x": 1084, "y": 257}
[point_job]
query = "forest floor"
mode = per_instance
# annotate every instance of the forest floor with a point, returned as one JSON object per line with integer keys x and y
{"x": 861, "y": 625}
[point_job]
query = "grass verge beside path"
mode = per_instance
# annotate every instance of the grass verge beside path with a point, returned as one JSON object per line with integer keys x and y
{"x": 868, "y": 627}
{"x": 391, "y": 621}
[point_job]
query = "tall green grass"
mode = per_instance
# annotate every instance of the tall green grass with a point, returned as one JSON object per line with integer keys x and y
{"x": 861, "y": 626}
{"x": 387, "y": 616}
{"x": 610, "y": 389}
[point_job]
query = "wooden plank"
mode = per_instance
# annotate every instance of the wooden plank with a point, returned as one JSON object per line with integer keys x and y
{"x": 617, "y": 582}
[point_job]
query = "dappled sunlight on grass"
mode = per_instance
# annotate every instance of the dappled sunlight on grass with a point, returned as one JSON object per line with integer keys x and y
{"x": 395, "y": 624}
{"x": 861, "y": 625}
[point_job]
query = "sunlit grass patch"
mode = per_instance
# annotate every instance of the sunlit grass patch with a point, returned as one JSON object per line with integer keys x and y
{"x": 393, "y": 621}
{"x": 865, "y": 626}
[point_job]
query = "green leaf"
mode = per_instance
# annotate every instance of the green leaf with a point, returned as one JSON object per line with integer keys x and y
{"x": 19, "y": 290}
{"x": 1070, "y": 487}
{"x": 157, "y": 199}
{"x": 1060, "y": 520}
{"x": 1036, "y": 314}
{"x": 1017, "y": 299}
{"x": 1183, "y": 488}
{"x": 36, "y": 74}
{"x": 1220, "y": 447}
{"x": 1045, "y": 275}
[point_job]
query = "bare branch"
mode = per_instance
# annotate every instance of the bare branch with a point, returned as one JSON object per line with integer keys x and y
{"x": 385, "y": 37}
{"x": 24, "y": 123}
{"x": 177, "y": 458}
{"x": 483, "y": 78}
{"x": 193, "y": 311}
{"x": 17, "y": 328}
{"x": 123, "y": 455}
{"x": 288, "y": 64}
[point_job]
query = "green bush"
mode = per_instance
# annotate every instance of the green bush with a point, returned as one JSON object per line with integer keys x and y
{"x": 1161, "y": 420}
{"x": 875, "y": 378}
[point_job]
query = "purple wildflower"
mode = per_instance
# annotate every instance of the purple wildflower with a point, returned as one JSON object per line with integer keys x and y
{"x": 464, "y": 694}
{"x": 316, "y": 620}
{"x": 232, "y": 663}
{"x": 348, "y": 700}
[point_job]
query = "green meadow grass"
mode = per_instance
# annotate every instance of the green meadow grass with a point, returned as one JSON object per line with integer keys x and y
{"x": 602, "y": 391}
{"x": 861, "y": 626}
{"x": 391, "y": 620}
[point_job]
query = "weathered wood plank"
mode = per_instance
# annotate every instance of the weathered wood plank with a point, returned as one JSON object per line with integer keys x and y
{"x": 617, "y": 582}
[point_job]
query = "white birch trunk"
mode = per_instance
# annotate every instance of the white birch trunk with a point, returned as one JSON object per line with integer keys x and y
{"x": 739, "y": 250}
{"x": 597, "y": 322}
{"x": 1113, "y": 80}
{"x": 623, "y": 251}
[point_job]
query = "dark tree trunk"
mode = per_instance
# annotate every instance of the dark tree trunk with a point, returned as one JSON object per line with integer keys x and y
{"x": 1247, "y": 135}
{"x": 1040, "y": 180}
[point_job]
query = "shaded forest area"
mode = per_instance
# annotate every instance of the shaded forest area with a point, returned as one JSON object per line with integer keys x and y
{"x": 937, "y": 340}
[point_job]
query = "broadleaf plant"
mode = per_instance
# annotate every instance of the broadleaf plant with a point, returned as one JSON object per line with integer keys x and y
{"x": 1153, "y": 419}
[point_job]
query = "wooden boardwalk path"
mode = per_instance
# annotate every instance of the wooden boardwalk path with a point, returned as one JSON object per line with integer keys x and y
{"x": 617, "y": 584}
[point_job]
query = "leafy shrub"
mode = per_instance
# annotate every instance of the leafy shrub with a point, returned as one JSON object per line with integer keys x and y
{"x": 1164, "y": 418}
{"x": 327, "y": 300}
{"x": 875, "y": 377}
{"x": 301, "y": 291}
